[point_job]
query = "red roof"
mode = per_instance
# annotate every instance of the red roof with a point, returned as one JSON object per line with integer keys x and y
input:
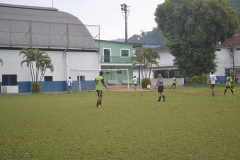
{"x": 235, "y": 40}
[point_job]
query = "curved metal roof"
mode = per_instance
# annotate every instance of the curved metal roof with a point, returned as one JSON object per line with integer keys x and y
{"x": 42, "y": 27}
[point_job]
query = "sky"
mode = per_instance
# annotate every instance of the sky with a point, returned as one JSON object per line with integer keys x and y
{"x": 104, "y": 14}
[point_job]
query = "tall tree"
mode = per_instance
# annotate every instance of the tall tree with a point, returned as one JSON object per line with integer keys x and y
{"x": 192, "y": 28}
{"x": 157, "y": 36}
{"x": 145, "y": 57}
{"x": 1, "y": 61}
{"x": 236, "y": 5}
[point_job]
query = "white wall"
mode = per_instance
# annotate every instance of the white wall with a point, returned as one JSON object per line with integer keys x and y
{"x": 224, "y": 60}
{"x": 237, "y": 58}
{"x": 166, "y": 59}
{"x": 61, "y": 63}
{"x": 168, "y": 81}
{"x": 12, "y": 60}
{"x": 83, "y": 61}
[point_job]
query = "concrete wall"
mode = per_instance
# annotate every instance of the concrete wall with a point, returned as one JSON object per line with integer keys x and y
{"x": 166, "y": 59}
{"x": 168, "y": 81}
{"x": 224, "y": 61}
{"x": 63, "y": 62}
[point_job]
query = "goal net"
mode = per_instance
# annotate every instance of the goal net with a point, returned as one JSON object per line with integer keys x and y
{"x": 115, "y": 79}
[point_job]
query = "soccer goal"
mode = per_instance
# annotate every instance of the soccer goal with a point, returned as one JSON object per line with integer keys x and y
{"x": 115, "y": 79}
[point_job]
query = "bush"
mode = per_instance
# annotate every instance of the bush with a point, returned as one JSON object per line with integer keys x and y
{"x": 196, "y": 80}
{"x": 166, "y": 86}
{"x": 36, "y": 87}
{"x": 145, "y": 82}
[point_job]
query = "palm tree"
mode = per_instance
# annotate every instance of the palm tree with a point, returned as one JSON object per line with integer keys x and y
{"x": 1, "y": 61}
{"x": 29, "y": 58}
{"x": 41, "y": 59}
{"x": 38, "y": 61}
{"x": 138, "y": 58}
{"x": 152, "y": 58}
{"x": 145, "y": 56}
{"x": 47, "y": 63}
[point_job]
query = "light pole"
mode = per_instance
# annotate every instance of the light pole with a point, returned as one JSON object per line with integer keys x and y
{"x": 232, "y": 50}
{"x": 168, "y": 76}
{"x": 125, "y": 9}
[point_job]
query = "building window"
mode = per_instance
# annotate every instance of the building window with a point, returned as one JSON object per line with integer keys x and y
{"x": 167, "y": 73}
{"x": 119, "y": 72}
{"x": 106, "y": 54}
{"x": 82, "y": 78}
{"x": 125, "y": 52}
{"x": 108, "y": 73}
{"x": 9, "y": 80}
{"x": 48, "y": 78}
{"x": 227, "y": 72}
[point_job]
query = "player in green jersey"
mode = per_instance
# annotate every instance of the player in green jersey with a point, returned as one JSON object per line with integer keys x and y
{"x": 232, "y": 80}
{"x": 99, "y": 83}
{"x": 174, "y": 83}
{"x": 228, "y": 84}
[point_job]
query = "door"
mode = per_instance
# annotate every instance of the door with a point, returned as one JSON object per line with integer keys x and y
{"x": 106, "y": 55}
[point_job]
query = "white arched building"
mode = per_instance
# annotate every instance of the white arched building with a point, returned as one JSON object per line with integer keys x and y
{"x": 63, "y": 36}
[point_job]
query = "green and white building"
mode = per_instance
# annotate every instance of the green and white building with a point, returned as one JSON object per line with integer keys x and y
{"x": 115, "y": 56}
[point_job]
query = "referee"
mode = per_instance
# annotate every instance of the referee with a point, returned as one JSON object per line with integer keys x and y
{"x": 160, "y": 88}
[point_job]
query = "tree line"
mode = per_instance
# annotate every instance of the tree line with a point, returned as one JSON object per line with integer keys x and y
{"x": 192, "y": 28}
{"x": 155, "y": 36}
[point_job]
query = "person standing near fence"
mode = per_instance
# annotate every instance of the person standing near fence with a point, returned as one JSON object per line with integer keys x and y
{"x": 159, "y": 84}
{"x": 134, "y": 80}
{"x": 212, "y": 80}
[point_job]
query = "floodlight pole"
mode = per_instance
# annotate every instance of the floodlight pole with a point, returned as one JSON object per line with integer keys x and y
{"x": 125, "y": 9}
{"x": 233, "y": 58}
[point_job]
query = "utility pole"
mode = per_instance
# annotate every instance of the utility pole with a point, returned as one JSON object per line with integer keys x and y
{"x": 232, "y": 50}
{"x": 125, "y": 9}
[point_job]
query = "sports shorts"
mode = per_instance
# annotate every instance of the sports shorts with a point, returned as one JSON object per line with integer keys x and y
{"x": 212, "y": 86}
{"x": 99, "y": 93}
{"x": 160, "y": 88}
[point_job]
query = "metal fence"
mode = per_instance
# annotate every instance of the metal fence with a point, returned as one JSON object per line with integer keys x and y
{"x": 47, "y": 34}
{"x": 115, "y": 59}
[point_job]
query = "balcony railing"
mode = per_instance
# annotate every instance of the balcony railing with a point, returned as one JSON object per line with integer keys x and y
{"x": 115, "y": 59}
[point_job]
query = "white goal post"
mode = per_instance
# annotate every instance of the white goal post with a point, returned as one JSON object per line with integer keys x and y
{"x": 90, "y": 75}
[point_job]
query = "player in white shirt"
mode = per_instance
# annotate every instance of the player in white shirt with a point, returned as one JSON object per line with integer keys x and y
{"x": 69, "y": 83}
{"x": 134, "y": 80}
{"x": 212, "y": 80}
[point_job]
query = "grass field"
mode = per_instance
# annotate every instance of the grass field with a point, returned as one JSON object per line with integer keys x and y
{"x": 191, "y": 124}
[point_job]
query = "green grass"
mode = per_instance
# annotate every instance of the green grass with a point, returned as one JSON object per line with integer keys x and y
{"x": 191, "y": 124}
